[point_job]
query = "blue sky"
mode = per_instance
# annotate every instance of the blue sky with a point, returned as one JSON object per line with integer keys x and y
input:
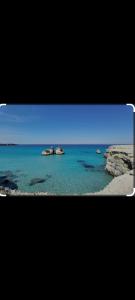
{"x": 63, "y": 124}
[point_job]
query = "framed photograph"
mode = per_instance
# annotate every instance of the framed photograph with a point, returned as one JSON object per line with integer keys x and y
{"x": 66, "y": 150}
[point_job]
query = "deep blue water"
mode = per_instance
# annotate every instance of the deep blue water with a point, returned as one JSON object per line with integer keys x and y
{"x": 80, "y": 170}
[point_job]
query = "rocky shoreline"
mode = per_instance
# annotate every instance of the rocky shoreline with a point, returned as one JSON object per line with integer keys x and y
{"x": 120, "y": 185}
{"x": 120, "y": 164}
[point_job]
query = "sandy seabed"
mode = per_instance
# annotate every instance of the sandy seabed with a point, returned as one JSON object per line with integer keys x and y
{"x": 121, "y": 185}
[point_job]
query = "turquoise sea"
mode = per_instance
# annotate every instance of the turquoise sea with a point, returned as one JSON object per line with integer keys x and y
{"x": 80, "y": 170}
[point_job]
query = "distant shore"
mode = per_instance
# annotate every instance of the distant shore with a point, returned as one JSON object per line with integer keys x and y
{"x": 8, "y": 145}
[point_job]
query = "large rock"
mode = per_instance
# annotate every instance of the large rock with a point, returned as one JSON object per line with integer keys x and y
{"x": 120, "y": 160}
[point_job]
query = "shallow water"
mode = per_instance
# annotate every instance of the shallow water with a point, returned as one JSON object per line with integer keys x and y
{"x": 80, "y": 170}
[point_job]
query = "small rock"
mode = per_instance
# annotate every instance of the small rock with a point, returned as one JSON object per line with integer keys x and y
{"x": 37, "y": 180}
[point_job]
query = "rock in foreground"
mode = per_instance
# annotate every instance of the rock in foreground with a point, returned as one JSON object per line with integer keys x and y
{"x": 120, "y": 164}
{"x": 121, "y": 185}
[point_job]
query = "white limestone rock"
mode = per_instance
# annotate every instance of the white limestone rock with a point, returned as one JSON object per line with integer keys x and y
{"x": 120, "y": 159}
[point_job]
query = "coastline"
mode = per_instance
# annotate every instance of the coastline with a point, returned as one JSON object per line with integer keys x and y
{"x": 119, "y": 163}
{"x": 121, "y": 185}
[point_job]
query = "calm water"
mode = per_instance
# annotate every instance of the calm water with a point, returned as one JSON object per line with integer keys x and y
{"x": 80, "y": 170}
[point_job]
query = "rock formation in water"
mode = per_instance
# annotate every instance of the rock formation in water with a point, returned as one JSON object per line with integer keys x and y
{"x": 7, "y": 180}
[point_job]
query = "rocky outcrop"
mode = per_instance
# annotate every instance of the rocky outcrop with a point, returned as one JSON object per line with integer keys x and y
{"x": 120, "y": 185}
{"x": 7, "y": 181}
{"x": 120, "y": 159}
